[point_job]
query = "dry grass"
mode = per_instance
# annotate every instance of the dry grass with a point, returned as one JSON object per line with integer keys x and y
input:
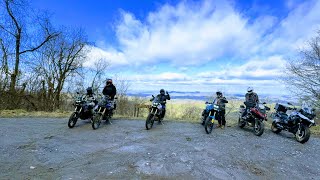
{"x": 20, "y": 113}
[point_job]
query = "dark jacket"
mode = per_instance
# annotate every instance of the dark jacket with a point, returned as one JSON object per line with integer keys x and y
{"x": 221, "y": 102}
{"x": 162, "y": 98}
{"x": 110, "y": 91}
{"x": 251, "y": 99}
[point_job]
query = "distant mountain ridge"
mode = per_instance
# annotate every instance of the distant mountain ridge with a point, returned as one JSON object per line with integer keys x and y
{"x": 204, "y": 96}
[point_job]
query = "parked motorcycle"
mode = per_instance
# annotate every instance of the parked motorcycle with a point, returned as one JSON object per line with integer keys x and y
{"x": 205, "y": 113}
{"x": 83, "y": 110}
{"x": 208, "y": 116}
{"x": 297, "y": 122}
{"x": 154, "y": 113}
{"x": 104, "y": 111}
{"x": 254, "y": 118}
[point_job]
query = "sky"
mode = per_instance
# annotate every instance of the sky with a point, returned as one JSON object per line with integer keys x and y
{"x": 189, "y": 45}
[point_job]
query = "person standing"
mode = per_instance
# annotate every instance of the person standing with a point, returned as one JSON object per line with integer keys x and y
{"x": 221, "y": 112}
{"x": 110, "y": 90}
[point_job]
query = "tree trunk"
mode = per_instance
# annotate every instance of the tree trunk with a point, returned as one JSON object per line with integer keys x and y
{"x": 16, "y": 67}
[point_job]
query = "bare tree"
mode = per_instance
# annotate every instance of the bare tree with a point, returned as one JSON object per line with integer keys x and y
{"x": 98, "y": 71}
{"x": 4, "y": 67}
{"x": 61, "y": 58}
{"x": 123, "y": 101}
{"x": 303, "y": 73}
{"x": 17, "y": 23}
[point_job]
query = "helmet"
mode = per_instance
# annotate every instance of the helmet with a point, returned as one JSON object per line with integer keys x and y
{"x": 250, "y": 90}
{"x": 109, "y": 81}
{"x": 162, "y": 91}
{"x": 89, "y": 91}
{"x": 219, "y": 93}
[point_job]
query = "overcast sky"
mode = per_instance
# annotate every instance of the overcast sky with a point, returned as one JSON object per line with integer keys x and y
{"x": 190, "y": 45}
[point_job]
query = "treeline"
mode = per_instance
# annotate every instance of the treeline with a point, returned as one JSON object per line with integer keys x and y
{"x": 40, "y": 61}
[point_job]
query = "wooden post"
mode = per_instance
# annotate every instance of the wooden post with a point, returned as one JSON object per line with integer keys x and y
{"x": 137, "y": 109}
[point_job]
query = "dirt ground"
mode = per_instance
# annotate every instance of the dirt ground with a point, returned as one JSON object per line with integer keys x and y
{"x": 48, "y": 149}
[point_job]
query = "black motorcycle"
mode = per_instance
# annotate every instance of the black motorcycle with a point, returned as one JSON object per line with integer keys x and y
{"x": 104, "y": 111}
{"x": 254, "y": 118}
{"x": 83, "y": 110}
{"x": 154, "y": 113}
{"x": 297, "y": 122}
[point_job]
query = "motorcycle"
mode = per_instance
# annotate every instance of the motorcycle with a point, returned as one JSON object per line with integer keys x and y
{"x": 104, "y": 111}
{"x": 155, "y": 112}
{"x": 83, "y": 110}
{"x": 254, "y": 118}
{"x": 297, "y": 122}
{"x": 209, "y": 116}
{"x": 205, "y": 113}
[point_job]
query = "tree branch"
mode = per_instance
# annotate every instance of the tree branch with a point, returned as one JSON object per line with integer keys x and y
{"x": 50, "y": 36}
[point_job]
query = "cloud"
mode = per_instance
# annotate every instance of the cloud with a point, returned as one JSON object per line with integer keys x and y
{"x": 165, "y": 76}
{"x": 255, "y": 71}
{"x": 191, "y": 34}
{"x": 293, "y": 31}
{"x": 199, "y": 32}
{"x": 113, "y": 57}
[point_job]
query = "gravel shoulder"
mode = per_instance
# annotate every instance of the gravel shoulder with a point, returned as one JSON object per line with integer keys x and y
{"x": 35, "y": 148}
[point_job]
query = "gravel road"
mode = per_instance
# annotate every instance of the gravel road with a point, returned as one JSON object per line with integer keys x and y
{"x": 48, "y": 149}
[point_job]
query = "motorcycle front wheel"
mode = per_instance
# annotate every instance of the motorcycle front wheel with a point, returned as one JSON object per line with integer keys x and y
{"x": 303, "y": 134}
{"x": 258, "y": 127}
{"x": 208, "y": 125}
{"x": 73, "y": 120}
{"x": 241, "y": 123}
{"x": 149, "y": 121}
{"x": 96, "y": 121}
{"x": 274, "y": 128}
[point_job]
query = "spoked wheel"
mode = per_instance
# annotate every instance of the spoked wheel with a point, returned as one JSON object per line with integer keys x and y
{"x": 149, "y": 121}
{"x": 258, "y": 127}
{"x": 96, "y": 121}
{"x": 73, "y": 120}
{"x": 274, "y": 128}
{"x": 208, "y": 125}
{"x": 241, "y": 124}
{"x": 303, "y": 134}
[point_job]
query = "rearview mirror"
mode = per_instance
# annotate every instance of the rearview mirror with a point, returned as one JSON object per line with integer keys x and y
{"x": 78, "y": 92}
{"x": 289, "y": 103}
{"x": 264, "y": 103}
{"x": 206, "y": 102}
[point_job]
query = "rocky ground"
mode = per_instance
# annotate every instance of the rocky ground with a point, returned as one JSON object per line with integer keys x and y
{"x": 48, "y": 149}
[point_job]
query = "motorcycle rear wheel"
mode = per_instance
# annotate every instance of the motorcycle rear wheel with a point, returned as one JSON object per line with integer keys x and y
{"x": 208, "y": 125}
{"x": 258, "y": 128}
{"x": 96, "y": 121}
{"x": 73, "y": 120}
{"x": 303, "y": 135}
{"x": 274, "y": 128}
{"x": 149, "y": 121}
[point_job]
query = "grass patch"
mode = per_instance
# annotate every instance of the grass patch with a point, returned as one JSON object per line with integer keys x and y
{"x": 20, "y": 113}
